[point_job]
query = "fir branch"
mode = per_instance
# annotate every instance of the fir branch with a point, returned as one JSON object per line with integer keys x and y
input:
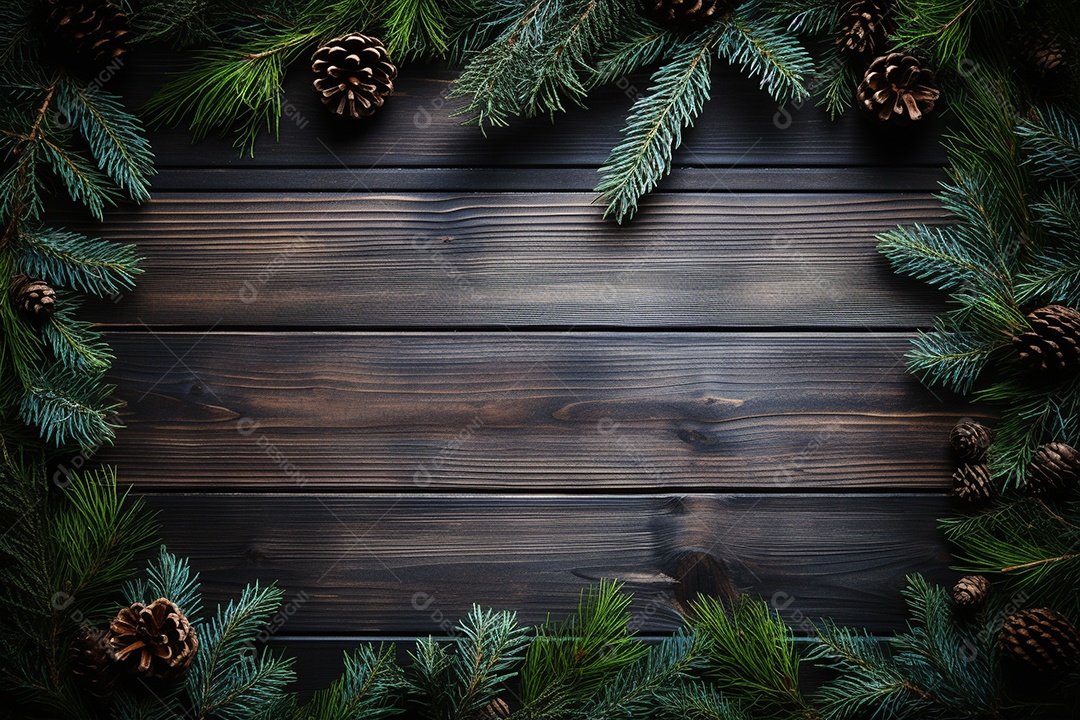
{"x": 491, "y": 646}
{"x": 762, "y": 48}
{"x": 83, "y": 181}
{"x": 750, "y": 654}
{"x": 654, "y": 129}
{"x": 944, "y": 28}
{"x": 1025, "y": 542}
{"x": 417, "y": 28}
{"x": 641, "y": 687}
{"x": 70, "y": 408}
{"x": 170, "y": 577}
{"x": 226, "y": 681}
{"x": 698, "y": 701}
{"x": 91, "y": 265}
{"x": 116, "y": 138}
{"x": 951, "y": 355}
{"x": 568, "y": 662}
{"x": 430, "y": 677}
{"x": 369, "y": 689}
{"x": 640, "y": 42}
{"x": 76, "y": 343}
{"x": 96, "y": 535}
{"x": 1052, "y": 141}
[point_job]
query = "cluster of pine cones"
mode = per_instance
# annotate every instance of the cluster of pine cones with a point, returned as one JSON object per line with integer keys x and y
{"x": 153, "y": 642}
{"x": 1054, "y": 470}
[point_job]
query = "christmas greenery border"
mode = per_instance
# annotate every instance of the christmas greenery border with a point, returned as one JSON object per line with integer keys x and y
{"x": 84, "y": 636}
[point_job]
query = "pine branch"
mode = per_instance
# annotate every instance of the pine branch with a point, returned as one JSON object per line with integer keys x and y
{"x": 762, "y": 48}
{"x": 70, "y": 408}
{"x": 640, "y": 43}
{"x": 654, "y": 129}
{"x": 750, "y": 654}
{"x": 90, "y": 265}
{"x": 489, "y": 651}
{"x": 76, "y": 343}
{"x": 641, "y": 687}
{"x": 1026, "y": 542}
{"x": 952, "y": 355}
{"x": 417, "y": 28}
{"x": 568, "y": 662}
{"x": 170, "y": 577}
{"x": 944, "y": 28}
{"x": 1052, "y": 140}
{"x": 697, "y": 701}
{"x": 225, "y": 681}
{"x": 430, "y": 677}
{"x": 369, "y": 689}
{"x": 116, "y": 137}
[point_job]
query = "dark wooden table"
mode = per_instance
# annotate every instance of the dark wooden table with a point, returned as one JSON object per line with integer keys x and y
{"x": 401, "y": 368}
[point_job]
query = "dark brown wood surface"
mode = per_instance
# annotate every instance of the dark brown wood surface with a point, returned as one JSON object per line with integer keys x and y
{"x": 402, "y": 368}
{"x": 592, "y": 411}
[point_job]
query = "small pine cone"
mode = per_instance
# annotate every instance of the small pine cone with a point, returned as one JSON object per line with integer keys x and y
{"x": 864, "y": 27}
{"x": 93, "y": 667}
{"x": 1044, "y": 54}
{"x": 898, "y": 90}
{"x": 497, "y": 709}
{"x": 970, "y": 440}
{"x": 353, "y": 75}
{"x": 90, "y": 31}
{"x": 972, "y": 483}
{"x": 1040, "y": 639}
{"x": 687, "y": 14}
{"x": 154, "y": 641}
{"x": 1051, "y": 347}
{"x": 970, "y": 592}
{"x": 1055, "y": 469}
{"x": 33, "y": 298}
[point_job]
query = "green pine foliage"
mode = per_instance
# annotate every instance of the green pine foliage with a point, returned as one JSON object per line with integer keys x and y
{"x": 370, "y": 689}
{"x": 51, "y": 374}
{"x": 943, "y": 666}
{"x": 750, "y": 655}
{"x": 1013, "y": 193}
{"x": 1031, "y": 544}
{"x": 568, "y": 661}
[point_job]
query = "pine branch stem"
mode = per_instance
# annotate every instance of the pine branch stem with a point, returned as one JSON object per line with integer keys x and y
{"x": 36, "y": 134}
{"x": 1037, "y": 563}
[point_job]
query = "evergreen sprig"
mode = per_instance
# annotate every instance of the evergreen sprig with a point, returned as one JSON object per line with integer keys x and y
{"x": 370, "y": 689}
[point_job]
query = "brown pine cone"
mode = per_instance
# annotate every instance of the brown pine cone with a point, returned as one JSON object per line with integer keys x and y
{"x": 970, "y": 440}
{"x": 154, "y": 641}
{"x": 90, "y": 31}
{"x": 93, "y": 667}
{"x": 864, "y": 27}
{"x": 353, "y": 75}
{"x": 34, "y": 299}
{"x": 1040, "y": 639}
{"x": 898, "y": 90}
{"x": 1055, "y": 469}
{"x": 1051, "y": 348}
{"x": 1044, "y": 54}
{"x": 970, "y": 592}
{"x": 972, "y": 483}
{"x": 687, "y": 14}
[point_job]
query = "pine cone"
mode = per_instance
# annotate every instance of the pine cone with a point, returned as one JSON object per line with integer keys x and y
{"x": 970, "y": 591}
{"x": 155, "y": 640}
{"x": 1055, "y": 469}
{"x": 33, "y": 298}
{"x": 970, "y": 440}
{"x": 1040, "y": 639}
{"x": 864, "y": 27}
{"x": 93, "y": 667}
{"x": 89, "y": 31}
{"x": 1044, "y": 54}
{"x": 687, "y": 14}
{"x": 972, "y": 483}
{"x": 497, "y": 709}
{"x": 898, "y": 90}
{"x": 1051, "y": 347}
{"x": 353, "y": 75}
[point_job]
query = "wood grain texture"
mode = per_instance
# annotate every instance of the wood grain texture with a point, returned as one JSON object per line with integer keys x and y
{"x": 740, "y": 126}
{"x": 379, "y": 564}
{"x": 593, "y": 411}
{"x": 540, "y": 259}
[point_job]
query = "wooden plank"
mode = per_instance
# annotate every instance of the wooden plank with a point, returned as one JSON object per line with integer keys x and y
{"x": 526, "y": 412}
{"x": 733, "y": 179}
{"x": 543, "y": 259}
{"x": 740, "y": 126}
{"x": 403, "y": 565}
